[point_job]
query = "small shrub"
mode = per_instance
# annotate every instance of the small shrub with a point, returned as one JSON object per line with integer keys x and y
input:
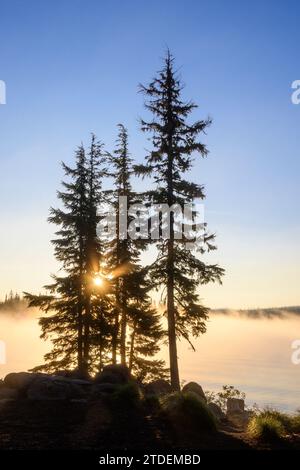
{"x": 126, "y": 397}
{"x": 283, "y": 418}
{"x": 295, "y": 423}
{"x": 220, "y": 398}
{"x": 189, "y": 412}
{"x": 288, "y": 423}
{"x": 152, "y": 403}
{"x": 266, "y": 427}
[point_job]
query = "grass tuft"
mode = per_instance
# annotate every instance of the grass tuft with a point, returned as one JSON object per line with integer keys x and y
{"x": 126, "y": 397}
{"x": 188, "y": 411}
{"x": 266, "y": 427}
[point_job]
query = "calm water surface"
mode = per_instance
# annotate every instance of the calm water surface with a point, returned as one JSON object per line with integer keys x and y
{"x": 254, "y": 355}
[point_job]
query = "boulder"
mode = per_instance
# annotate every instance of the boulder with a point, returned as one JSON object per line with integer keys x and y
{"x": 236, "y": 412}
{"x": 20, "y": 380}
{"x": 6, "y": 392}
{"x": 70, "y": 381}
{"x": 48, "y": 389}
{"x": 52, "y": 387}
{"x": 195, "y": 388}
{"x": 98, "y": 390}
{"x": 38, "y": 386}
{"x": 113, "y": 374}
{"x": 217, "y": 411}
{"x": 77, "y": 391}
{"x": 158, "y": 387}
{"x": 6, "y": 401}
{"x": 72, "y": 374}
{"x": 235, "y": 405}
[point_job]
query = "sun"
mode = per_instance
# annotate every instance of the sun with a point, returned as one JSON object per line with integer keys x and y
{"x": 98, "y": 281}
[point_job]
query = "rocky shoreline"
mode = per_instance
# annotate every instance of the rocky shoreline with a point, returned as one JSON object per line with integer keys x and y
{"x": 112, "y": 411}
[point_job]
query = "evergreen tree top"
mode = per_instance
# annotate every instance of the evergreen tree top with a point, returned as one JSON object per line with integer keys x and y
{"x": 172, "y": 135}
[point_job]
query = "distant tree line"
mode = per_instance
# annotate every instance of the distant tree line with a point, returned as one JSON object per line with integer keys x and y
{"x": 10, "y": 299}
{"x": 99, "y": 310}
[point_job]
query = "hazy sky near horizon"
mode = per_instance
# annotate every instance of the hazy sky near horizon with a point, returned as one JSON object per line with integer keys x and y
{"x": 72, "y": 67}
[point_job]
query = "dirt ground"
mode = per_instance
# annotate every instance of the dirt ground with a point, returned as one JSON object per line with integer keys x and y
{"x": 78, "y": 425}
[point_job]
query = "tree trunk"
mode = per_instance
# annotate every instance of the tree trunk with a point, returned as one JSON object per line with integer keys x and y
{"x": 79, "y": 338}
{"x": 123, "y": 321}
{"x": 132, "y": 346}
{"x": 80, "y": 310}
{"x": 174, "y": 372}
{"x": 123, "y": 337}
{"x": 100, "y": 354}
{"x": 115, "y": 338}
{"x": 86, "y": 346}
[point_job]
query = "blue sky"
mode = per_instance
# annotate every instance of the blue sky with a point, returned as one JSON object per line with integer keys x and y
{"x": 72, "y": 67}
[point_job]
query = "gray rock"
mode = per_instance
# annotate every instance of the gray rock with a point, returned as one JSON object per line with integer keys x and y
{"x": 20, "y": 380}
{"x": 158, "y": 387}
{"x": 217, "y": 411}
{"x": 79, "y": 382}
{"x": 72, "y": 374}
{"x": 48, "y": 389}
{"x": 114, "y": 374}
{"x": 235, "y": 405}
{"x": 84, "y": 384}
{"x": 58, "y": 388}
{"x": 75, "y": 391}
{"x": 6, "y": 401}
{"x": 195, "y": 388}
{"x": 100, "y": 389}
{"x": 6, "y": 392}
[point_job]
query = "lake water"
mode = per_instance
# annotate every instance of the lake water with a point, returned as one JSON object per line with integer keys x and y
{"x": 254, "y": 355}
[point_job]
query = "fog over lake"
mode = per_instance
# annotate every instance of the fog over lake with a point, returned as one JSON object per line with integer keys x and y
{"x": 250, "y": 351}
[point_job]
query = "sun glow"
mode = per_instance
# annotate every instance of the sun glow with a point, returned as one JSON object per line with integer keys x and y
{"x": 98, "y": 281}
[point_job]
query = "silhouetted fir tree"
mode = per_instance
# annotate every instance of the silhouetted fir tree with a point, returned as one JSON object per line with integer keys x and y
{"x": 70, "y": 246}
{"x": 88, "y": 323}
{"x": 134, "y": 317}
{"x": 177, "y": 268}
{"x": 64, "y": 305}
{"x": 101, "y": 326}
{"x": 95, "y": 174}
{"x": 119, "y": 250}
{"x": 145, "y": 338}
{"x": 60, "y": 324}
{"x": 72, "y": 301}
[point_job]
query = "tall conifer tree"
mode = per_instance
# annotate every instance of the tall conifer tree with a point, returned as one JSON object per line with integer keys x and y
{"x": 68, "y": 307}
{"x": 137, "y": 327}
{"x": 177, "y": 268}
